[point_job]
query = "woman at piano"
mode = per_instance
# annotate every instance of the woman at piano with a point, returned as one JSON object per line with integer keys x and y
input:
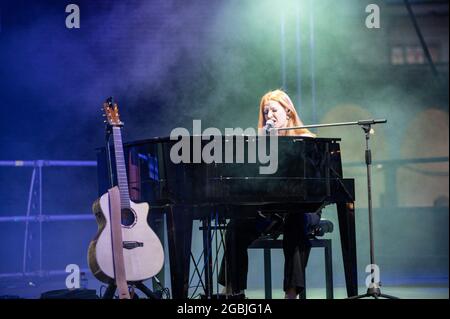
{"x": 277, "y": 107}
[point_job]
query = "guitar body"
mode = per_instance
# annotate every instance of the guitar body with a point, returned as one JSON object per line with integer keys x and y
{"x": 143, "y": 253}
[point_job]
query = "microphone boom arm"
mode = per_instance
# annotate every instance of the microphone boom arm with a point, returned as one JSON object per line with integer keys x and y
{"x": 360, "y": 122}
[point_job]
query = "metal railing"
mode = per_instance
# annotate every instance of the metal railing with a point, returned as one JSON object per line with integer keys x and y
{"x": 390, "y": 168}
{"x": 34, "y": 211}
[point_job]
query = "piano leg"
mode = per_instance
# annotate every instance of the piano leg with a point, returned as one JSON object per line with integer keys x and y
{"x": 179, "y": 233}
{"x": 346, "y": 216}
{"x": 207, "y": 256}
{"x": 156, "y": 221}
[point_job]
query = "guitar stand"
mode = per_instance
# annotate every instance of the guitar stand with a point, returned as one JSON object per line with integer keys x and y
{"x": 111, "y": 289}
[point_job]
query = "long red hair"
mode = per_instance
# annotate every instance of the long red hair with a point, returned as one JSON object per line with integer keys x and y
{"x": 285, "y": 101}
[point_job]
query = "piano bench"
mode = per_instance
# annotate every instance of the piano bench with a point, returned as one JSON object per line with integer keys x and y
{"x": 267, "y": 244}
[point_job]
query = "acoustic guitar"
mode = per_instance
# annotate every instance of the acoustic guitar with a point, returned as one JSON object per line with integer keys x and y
{"x": 124, "y": 244}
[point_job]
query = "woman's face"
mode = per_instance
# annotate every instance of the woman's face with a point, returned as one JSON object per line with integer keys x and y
{"x": 275, "y": 112}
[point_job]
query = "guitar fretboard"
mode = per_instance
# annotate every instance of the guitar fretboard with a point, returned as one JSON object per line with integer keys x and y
{"x": 121, "y": 168}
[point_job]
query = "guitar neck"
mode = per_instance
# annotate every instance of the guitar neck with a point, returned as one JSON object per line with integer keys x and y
{"x": 121, "y": 168}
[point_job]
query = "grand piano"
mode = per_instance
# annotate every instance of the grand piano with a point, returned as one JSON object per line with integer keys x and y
{"x": 308, "y": 178}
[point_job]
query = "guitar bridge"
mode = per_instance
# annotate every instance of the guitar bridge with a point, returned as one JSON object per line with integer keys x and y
{"x": 132, "y": 244}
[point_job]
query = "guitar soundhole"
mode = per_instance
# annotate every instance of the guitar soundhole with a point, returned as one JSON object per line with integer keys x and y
{"x": 128, "y": 217}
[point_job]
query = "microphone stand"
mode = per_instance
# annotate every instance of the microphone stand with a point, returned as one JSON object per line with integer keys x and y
{"x": 374, "y": 288}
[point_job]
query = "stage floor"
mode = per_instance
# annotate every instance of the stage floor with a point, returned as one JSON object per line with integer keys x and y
{"x": 434, "y": 291}
{"x": 420, "y": 291}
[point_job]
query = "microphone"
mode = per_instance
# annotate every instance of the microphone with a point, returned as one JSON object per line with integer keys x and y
{"x": 269, "y": 125}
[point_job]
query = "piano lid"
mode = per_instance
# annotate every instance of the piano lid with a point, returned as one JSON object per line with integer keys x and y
{"x": 167, "y": 139}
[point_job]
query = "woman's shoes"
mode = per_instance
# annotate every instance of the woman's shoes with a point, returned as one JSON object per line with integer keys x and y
{"x": 294, "y": 293}
{"x": 227, "y": 293}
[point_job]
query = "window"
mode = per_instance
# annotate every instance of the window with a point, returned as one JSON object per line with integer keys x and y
{"x": 413, "y": 54}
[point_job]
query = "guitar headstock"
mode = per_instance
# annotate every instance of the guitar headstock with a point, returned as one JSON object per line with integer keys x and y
{"x": 111, "y": 112}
